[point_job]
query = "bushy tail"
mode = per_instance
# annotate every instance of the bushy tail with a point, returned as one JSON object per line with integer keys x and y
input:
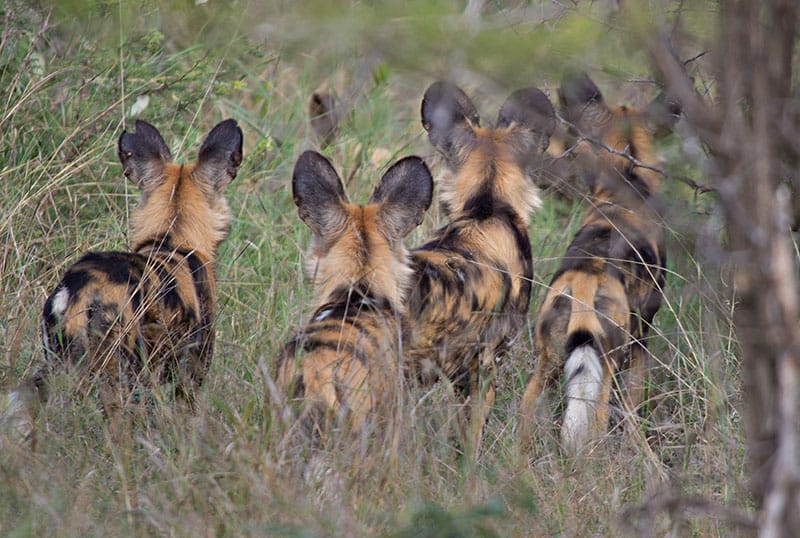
{"x": 584, "y": 374}
{"x": 583, "y": 370}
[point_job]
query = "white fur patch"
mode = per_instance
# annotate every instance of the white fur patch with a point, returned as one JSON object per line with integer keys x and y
{"x": 584, "y": 373}
{"x": 324, "y": 314}
{"x": 60, "y": 301}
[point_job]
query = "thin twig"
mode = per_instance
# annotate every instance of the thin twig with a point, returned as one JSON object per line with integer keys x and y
{"x": 695, "y": 58}
{"x": 706, "y": 119}
{"x": 699, "y": 188}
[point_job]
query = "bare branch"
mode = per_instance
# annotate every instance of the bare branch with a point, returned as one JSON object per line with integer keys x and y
{"x": 699, "y": 188}
{"x": 694, "y": 58}
{"x": 705, "y": 119}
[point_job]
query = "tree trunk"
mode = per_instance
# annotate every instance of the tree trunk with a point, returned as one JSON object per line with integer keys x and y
{"x": 752, "y": 148}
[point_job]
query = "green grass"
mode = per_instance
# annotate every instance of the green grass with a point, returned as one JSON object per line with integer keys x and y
{"x": 234, "y": 468}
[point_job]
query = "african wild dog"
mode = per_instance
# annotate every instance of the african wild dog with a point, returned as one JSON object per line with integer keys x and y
{"x": 346, "y": 360}
{"x": 125, "y": 318}
{"x": 472, "y": 283}
{"x": 603, "y": 297}
{"x": 561, "y": 175}
{"x": 324, "y": 116}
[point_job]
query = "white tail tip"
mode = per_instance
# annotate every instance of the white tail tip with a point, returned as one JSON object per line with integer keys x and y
{"x": 584, "y": 374}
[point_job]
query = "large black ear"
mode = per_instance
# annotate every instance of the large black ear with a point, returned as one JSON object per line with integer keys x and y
{"x": 581, "y": 101}
{"x": 449, "y": 117}
{"x": 529, "y": 109}
{"x": 405, "y": 193}
{"x": 143, "y": 154}
{"x": 318, "y": 193}
{"x": 220, "y": 155}
{"x": 662, "y": 114}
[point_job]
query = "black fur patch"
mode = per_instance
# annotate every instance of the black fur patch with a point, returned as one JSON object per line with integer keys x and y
{"x": 116, "y": 268}
{"x": 75, "y": 280}
{"x": 346, "y": 302}
{"x": 580, "y": 338}
{"x": 507, "y": 214}
{"x": 583, "y": 264}
{"x": 159, "y": 243}
{"x": 426, "y": 274}
{"x": 343, "y": 349}
{"x": 203, "y": 290}
{"x": 476, "y": 304}
{"x": 170, "y": 294}
{"x": 637, "y": 184}
{"x": 546, "y": 321}
{"x": 647, "y": 256}
{"x": 47, "y": 311}
{"x": 481, "y": 205}
{"x": 561, "y": 302}
{"x": 506, "y": 290}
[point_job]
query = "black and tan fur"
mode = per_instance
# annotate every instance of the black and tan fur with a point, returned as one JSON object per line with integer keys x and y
{"x": 346, "y": 360}
{"x": 472, "y": 279}
{"x": 126, "y": 319}
{"x": 603, "y": 297}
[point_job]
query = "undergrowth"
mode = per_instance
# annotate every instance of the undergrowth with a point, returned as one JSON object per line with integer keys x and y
{"x": 234, "y": 467}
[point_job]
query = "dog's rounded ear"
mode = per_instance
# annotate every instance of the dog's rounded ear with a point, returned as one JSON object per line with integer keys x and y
{"x": 578, "y": 89}
{"x": 405, "y": 193}
{"x": 529, "y": 109}
{"x": 582, "y": 104}
{"x": 449, "y": 117}
{"x": 318, "y": 194}
{"x": 662, "y": 114}
{"x": 143, "y": 154}
{"x": 220, "y": 155}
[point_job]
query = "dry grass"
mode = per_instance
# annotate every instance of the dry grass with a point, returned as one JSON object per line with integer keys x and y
{"x": 234, "y": 467}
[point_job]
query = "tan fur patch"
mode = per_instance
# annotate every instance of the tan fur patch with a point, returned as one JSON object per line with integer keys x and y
{"x": 193, "y": 213}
